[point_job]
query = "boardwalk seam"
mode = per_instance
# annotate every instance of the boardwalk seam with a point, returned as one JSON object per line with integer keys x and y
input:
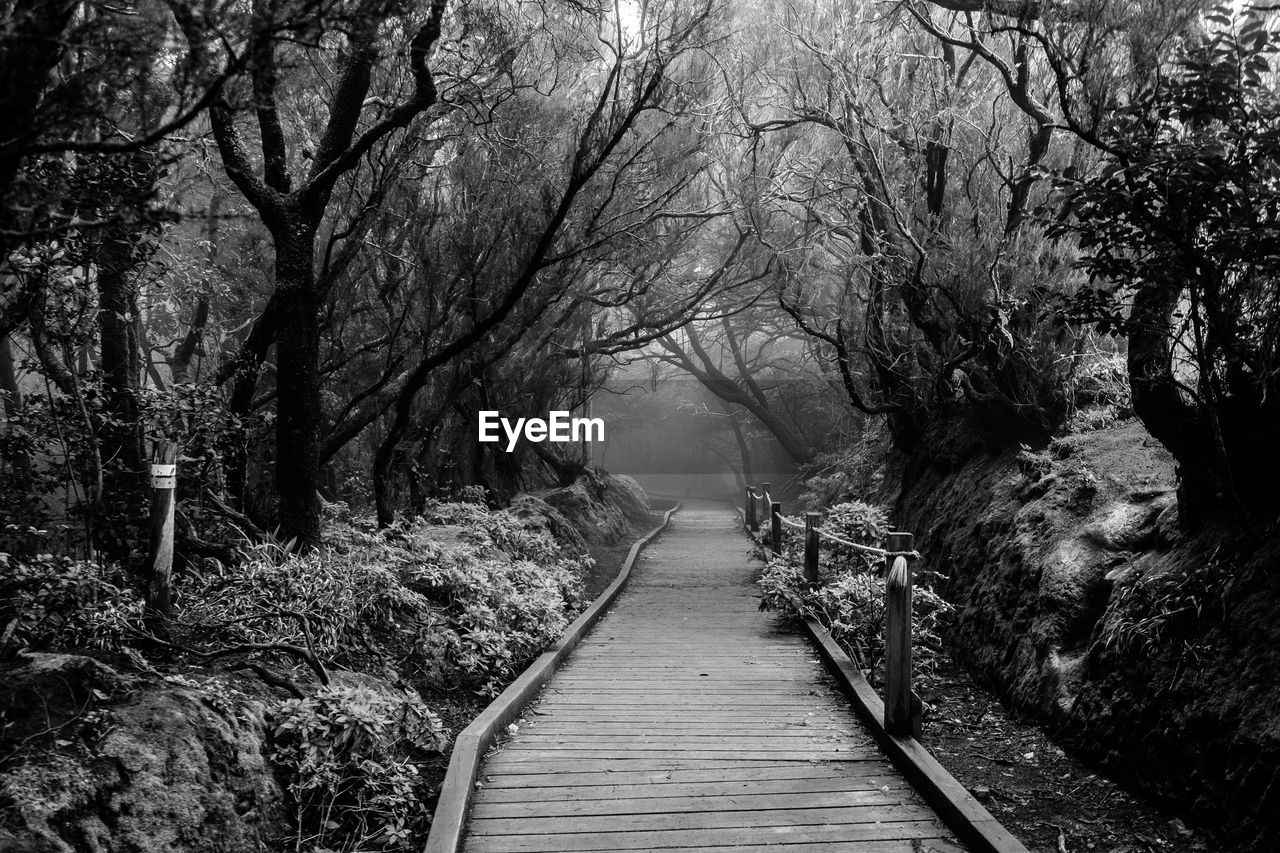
{"x": 475, "y": 740}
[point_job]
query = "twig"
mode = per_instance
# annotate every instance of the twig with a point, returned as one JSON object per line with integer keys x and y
{"x": 273, "y": 679}
{"x": 306, "y": 633}
{"x": 238, "y": 517}
{"x": 244, "y": 648}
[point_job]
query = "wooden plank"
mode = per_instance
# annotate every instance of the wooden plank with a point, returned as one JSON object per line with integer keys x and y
{"x": 659, "y": 839}
{"x": 502, "y": 763}
{"x": 606, "y": 730}
{"x": 902, "y": 845}
{"x": 869, "y": 771}
{"x": 806, "y": 784}
{"x": 700, "y": 802}
{"x": 518, "y": 753}
{"x": 694, "y": 724}
{"x": 610, "y": 732}
{"x": 688, "y": 720}
{"x": 847, "y": 815}
{"x": 607, "y": 701}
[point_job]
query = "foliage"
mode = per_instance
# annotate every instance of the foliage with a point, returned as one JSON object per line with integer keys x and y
{"x": 1144, "y": 613}
{"x": 858, "y": 522}
{"x": 469, "y": 594}
{"x": 850, "y": 599}
{"x": 1100, "y": 394}
{"x": 856, "y": 469}
{"x": 343, "y": 597}
{"x": 492, "y": 531}
{"x": 351, "y": 757}
{"x": 1179, "y": 236}
{"x": 850, "y": 603}
{"x": 500, "y": 609}
{"x": 58, "y": 602}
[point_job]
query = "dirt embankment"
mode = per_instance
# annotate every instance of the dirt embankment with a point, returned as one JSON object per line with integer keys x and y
{"x": 1155, "y": 654}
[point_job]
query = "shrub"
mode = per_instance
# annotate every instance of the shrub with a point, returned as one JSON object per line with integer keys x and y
{"x": 859, "y": 522}
{"x": 473, "y": 611}
{"x": 499, "y": 614}
{"x": 351, "y": 759}
{"x": 850, "y": 600}
{"x": 343, "y": 597}
{"x": 851, "y": 606}
{"x": 1151, "y": 609}
{"x": 59, "y": 602}
{"x": 491, "y": 531}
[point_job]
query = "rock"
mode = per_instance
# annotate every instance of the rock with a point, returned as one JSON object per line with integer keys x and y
{"x": 536, "y": 514}
{"x": 597, "y": 507}
{"x": 1123, "y": 526}
{"x": 629, "y": 497}
{"x": 175, "y": 765}
{"x": 46, "y": 690}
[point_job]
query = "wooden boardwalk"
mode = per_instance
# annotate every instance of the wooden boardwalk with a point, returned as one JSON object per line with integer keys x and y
{"x": 687, "y": 719}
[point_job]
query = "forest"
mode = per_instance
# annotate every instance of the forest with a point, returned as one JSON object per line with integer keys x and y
{"x": 1005, "y": 273}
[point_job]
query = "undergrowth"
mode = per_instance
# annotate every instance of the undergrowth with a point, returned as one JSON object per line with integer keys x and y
{"x": 1145, "y": 614}
{"x": 850, "y": 596}
{"x": 462, "y": 598}
{"x": 351, "y": 756}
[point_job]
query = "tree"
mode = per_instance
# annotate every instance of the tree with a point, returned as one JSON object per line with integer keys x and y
{"x": 1180, "y": 232}
{"x": 293, "y": 210}
{"x": 896, "y": 200}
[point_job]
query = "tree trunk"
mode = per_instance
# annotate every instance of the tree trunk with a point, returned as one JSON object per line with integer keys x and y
{"x": 10, "y": 404}
{"x": 9, "y": 379}
{"x": 298, "y": 414}
{"x": 382, "y": 478}
{"x": 1159, "y": 403}
{"x": 120, "y": 357}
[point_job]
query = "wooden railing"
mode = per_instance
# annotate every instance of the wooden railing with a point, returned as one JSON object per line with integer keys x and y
{"x": 901, "y": 704}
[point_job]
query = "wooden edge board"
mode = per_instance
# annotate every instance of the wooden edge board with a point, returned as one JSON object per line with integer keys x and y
{"x": 474, "y": 741}
{"x": 952, "y": 800}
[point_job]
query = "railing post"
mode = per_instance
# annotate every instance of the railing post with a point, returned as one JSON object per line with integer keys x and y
{"x": 899, "y": 714}
{"x": 752, "y": 524}
{"x": 775, "y": 527}
{"x": 811, "y": 547}
{"x": 764, "y": 506}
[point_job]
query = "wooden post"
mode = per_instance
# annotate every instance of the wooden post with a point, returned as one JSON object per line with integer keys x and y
{"x": 752, "y": 524}
{"x": 811, "y": 547}
{"x": 164, "y": 479}
{"x": 764, "y": 504}
{"x": 897, "y": 641}
{"x": 775, "y": 527}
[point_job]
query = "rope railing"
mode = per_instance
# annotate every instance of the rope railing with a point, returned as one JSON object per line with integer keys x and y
{"x": 901, "y": 705}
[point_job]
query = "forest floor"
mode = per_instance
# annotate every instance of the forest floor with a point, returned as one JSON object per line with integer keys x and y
{"x": 1053, "y": 802}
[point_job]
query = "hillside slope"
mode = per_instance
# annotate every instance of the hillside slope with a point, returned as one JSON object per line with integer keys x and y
{"x": 1078, "y": 597}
